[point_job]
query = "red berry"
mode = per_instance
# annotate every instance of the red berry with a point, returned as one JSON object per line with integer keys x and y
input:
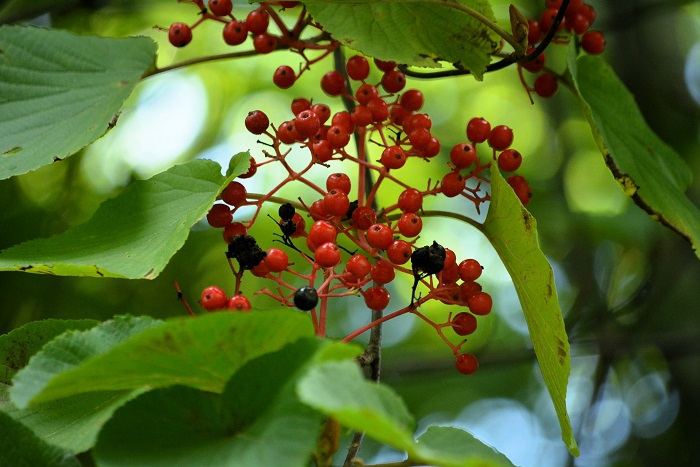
{"x": 478, "y": 130}
{"x": 234, "y": 194}
{"x": 284, "y": 77}
{"x": 464, "y": 323}
{"x": 384, "y": 65}
{"x": 233, "y": 229}
{"x": 593, "y": 42}
{"x": 377, "y": 298}
{"x": 450, "y": 258}
{"x": 410, "y": 200}
{"x": 467, "y": 363}
{"x": 547, "y": 20}
{"x": 379, "y": 236}
{"x": 276, "y": 260}
{"x": 333, "y": 83}
{"x": 419, "y": 121}
{"x": 379, "y": 109}
{"x": 509, "y": 160}
{"x": 318, "y": 209}
{"x": 337, "y": 203}
{"x": 219, "y": 216}
{"x": 393, "y": 157}
{"x": 344, "y": 120}
{"x": 300, "y": 224}
{"x": 521, "y": 188}
{"x": 257, "y": 122}
{"x": 578, "y": 23}
{"x": 365, "y": 93}
{"x": 449, "y": 274}
{"x": 179, "y": 34}
{"x": 467, "y": 290}
{"x": 480, "y": 303}
{"x": 257, "y": 21}
{"x": 452, "y": 184}
{"x": 470, "y": 270}
{"x": 393, "y": 81}
{"x": 338, "y": 181}
{"x": 382, "y": 272}
{"x": 399, "y": 252}
{"x": 412, "y": 100}
{"x": 534, "y": 32}
{"x": 359, "y": 266}
{"x": 322, "y": 150}
{"x": 307, "y": 123}
{"x": 535, "y": 65}
{"x": 299, "y": 105}
{"x": 213, "y": 298}
{"x": 287, "y": 133}
{"x": 420, "y": 137}
{"x": 546, "y": 85}
{"x": 220, "y": 7}
{"x": 322, "y": 111}
{"x": 501, "y": 137}
{"x": 322, "y": 232}
{"x": 410, "y": 224}
{"x": 252, "y": 169}
{"x": 235, "y": 33}
{"x": 432, "y": 149}
{"x": 399, "y": 114}
{"x": 338, "y": 136}
{"x": 238, "y": 303}
{"x": 361, "y": 116}
{"x": 357, "y": 68}
{"x": 327, "y": 255}
{"x": 462, "y": 155}
{"x": 264, "y": 43}
{"x": 363, "y": 217}
{"x": 260, "y": 270}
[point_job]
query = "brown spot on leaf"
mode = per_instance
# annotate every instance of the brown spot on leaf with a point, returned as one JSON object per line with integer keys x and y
{"x": 26, "y": 268}
{"x": 561, "y": 351}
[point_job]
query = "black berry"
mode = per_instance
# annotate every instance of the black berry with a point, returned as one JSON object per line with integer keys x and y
{"x": 305, "y": 298}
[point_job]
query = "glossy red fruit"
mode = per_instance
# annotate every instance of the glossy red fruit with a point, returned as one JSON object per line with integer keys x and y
{"x": 478, "y": 130}
{"x": 384, "y": 65}
{"x": 361, "y": 116}
{"x": 467, "y": 290}
{"x": 238, "y": 303}
{"x": 322, "y": 111}
{"x": 377, "y": 298}
{"x": 322, "y": 232}
{"x": 264, "y": 43}
{"x": 379, "y": 109}
{"x": 252, "y": 169}
{"x": 179, "y": 34}
{"x": 359, "y": 266}
{"x": 219, "y": 216}
{"x": 501, "y": 137}
{"x": 213, "y": 298}
{"x": 300, "y": 224}
{"x": 382, "y": 272}
{"x": 287, "y": 133}
{"x": 234, "y": 194}
{"x": 307, "y": 123}
{"x": 466, "y": 363}
{"x": 333, "y": 83}
{"x": 393, "y": 81}
{"x": 299, "y": 105}
{"x": 220, "y": 7}
{"x": 462, "y": 155}
{"x": 276, "y": 260}
{"x": 257, "y": 21}
{"x": 338, "y": 136}
{"x": 410, "y": 224}
{"x": 470, "y": 270}
{"x": 257, "y": 122}
{"x": 419, "y": 137}
{"x": 357, "y": 68}
{"x": 393, "y": 157}
{"x": 379, "y": 236}
{"x": 233, "y": 229}
{"x": 509, "y": 160}
{"x": 546, "y": 85}
{"x": 365, "y": 93}
{"x": 284, "y": 77}
{"x": 410, "y": 200}
{"x": 480, "y": 303}
{"x": 343, "y": 119}
{"x": 593, "y": 42}
{"x": 412, "y": 100}
{"x": 363, "y": 217}
{"x": 235, "y": 33}
{"x": 337, "y": 203}
{"x": 338, "y": 181}
{"x": 327, "y": 255}
{"x": 322, "y": 150}
{"x": 452, "y": 184}
{"x": 399, "y": 252}
{"x": 464, "y": 323}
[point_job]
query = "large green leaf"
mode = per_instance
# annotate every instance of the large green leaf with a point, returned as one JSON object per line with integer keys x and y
{"x": 420, "y": 33}
{"x": 202, "y": 353}
{"x": 71, "y": 423}
{"x": 20, "y": 447}
{"x": 17, "y": 346}
{"x": 256, "y": 421}
{"x": 70, "y": 350}
{"x": 648, "y": 170}
{"x": 340, "y": 390}
{"x": 513, "y": 233}
{"x": 133, "y": 235}
{"x": 59, "y": 92}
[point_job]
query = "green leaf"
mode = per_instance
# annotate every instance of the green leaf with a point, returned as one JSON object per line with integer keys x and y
{"x": 202, "y": 353}
{"x": 69, "y": 351}
{"x": 20, "y": 447}
{"x": 131, "y": 236}
{"x": 20, "y": 344}
{"x": 59, "y": 92}
{"x": 248, "y": 424}
{"x": 649, "y": 171}
{"x": 513, "y": 233}
{"x": 462, "y": 446}
{"x": 71, "y": 423}
{"x": 419, "y": 33}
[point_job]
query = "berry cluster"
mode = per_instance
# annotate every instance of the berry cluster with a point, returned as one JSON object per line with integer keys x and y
{"x": 341, "y": 242}
{"x": 578, "y": 18}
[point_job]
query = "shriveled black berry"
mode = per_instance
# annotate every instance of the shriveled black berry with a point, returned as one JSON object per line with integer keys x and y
{"x": 351, "y": 209}
{"x": 286, "y": 212}
{"x": 245, "y": 249}
{"x": 288, "y": 227}
{"x": 428, "y": 259}
{"x": 305, "y": 298}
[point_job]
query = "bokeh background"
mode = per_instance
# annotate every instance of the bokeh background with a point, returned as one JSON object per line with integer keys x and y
{"x": 628, "y": 287}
